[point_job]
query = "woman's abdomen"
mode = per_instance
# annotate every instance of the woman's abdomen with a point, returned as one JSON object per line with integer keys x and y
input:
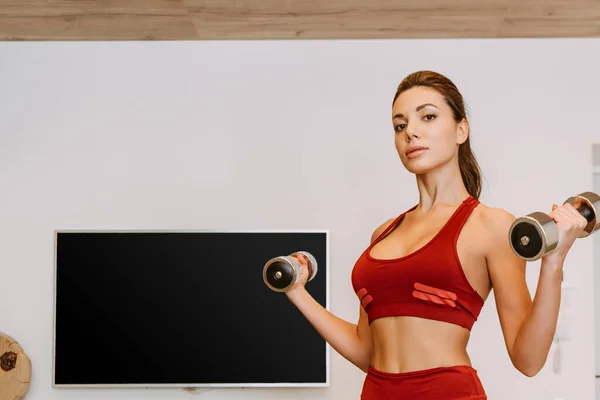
{"x": 403, "y": 344}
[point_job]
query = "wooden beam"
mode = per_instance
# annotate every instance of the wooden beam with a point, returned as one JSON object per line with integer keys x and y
{"x": 295, "y": 19}
{"x": 95, "y": 20}
{"x": 552, "y": 18}
{"x": 345, "y": 19}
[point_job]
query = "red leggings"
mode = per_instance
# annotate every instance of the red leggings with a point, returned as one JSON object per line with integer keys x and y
{"x": 442, "y": 383}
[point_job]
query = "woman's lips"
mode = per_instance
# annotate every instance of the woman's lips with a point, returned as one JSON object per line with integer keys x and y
{"x": 416, "y": 152}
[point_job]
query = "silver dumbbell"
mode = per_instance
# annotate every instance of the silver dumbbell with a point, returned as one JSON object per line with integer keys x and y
{"x": 283, "y": 272}
{"x": 536, "y": 234}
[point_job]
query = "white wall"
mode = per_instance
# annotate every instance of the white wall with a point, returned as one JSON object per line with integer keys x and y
{"x": 194, "y": 135}
{"x": 596, "y": 264}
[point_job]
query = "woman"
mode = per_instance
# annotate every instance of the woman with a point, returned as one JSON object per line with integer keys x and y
{"x": 426, "y": 274}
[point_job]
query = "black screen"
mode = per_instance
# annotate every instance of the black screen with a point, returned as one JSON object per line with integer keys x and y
{"x": 164, "y": 308}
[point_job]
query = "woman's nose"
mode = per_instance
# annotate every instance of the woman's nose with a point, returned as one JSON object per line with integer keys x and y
{"x": 411, "y": 132}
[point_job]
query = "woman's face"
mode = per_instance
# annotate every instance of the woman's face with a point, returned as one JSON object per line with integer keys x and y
{"x": 426, "y": 134}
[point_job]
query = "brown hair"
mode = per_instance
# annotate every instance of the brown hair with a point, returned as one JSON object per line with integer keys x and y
{"x": 469, "y": 168}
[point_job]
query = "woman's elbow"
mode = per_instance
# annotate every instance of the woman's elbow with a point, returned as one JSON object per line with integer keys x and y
{"x": 364, "y": 366}
{"x": 528, "y": 369}
{"x": 364, "y": 361}
{"x": 531, "y": 372}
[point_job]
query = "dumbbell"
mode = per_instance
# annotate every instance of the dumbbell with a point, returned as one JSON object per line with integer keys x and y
{"x": 281, "y": 273}
{"x": 535, "y": 235}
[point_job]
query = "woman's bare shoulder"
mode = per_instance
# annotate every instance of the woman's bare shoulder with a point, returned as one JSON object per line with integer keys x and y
{"x": 379, "y": 230}
{"x": 494, "y": 221}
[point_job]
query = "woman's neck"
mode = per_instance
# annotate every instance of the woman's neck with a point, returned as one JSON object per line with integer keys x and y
{"x": 440, "y": 187}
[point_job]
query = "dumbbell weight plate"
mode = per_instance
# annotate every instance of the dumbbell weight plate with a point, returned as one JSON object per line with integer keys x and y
{"x": 592, "y": 201}
{"x": 280, "y": 273}
{"x": 533, "y": 235}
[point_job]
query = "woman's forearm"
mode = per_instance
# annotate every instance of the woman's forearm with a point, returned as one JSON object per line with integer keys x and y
{"x": 533, "y": 342}
{"x": 340, "y": 334}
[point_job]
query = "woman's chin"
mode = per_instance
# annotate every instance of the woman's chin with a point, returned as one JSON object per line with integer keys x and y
{"x": 417, "y": 168}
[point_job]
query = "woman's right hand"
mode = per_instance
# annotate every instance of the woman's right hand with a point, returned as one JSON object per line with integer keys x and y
{"x": 302, "y": 260}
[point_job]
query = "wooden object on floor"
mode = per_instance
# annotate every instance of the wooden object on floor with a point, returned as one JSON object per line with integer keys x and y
{"x": 15, "y": 369}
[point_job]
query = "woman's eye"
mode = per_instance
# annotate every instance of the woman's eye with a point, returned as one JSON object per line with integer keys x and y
{"x": 428, "y": 117}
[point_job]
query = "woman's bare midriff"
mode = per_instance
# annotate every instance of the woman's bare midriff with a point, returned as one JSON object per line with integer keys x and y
{"x": 403, "y": 344}
{"x": 406, "y": 343}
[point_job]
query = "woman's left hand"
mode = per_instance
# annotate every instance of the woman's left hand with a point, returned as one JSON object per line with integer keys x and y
{"x": 570, "y": 224}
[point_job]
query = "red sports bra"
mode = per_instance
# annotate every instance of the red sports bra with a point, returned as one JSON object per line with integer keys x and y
{"x": 428, "y": 283}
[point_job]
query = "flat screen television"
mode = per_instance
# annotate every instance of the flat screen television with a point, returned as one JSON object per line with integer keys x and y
{"x": 183, "y": 309}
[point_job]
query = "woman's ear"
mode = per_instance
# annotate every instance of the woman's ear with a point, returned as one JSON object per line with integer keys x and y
{"x": 462, "y": 131}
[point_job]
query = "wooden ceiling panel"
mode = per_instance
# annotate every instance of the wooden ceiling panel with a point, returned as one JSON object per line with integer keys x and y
{"x": 334, "y": 8}
{"x": 96, "y": 27}
{"x": 295, "y": 19}
{"x": 43, "y": 8}
{"x": 552, "y": 18}
{"x": 94, "y": 20}
{"x": 518, "y": 27}
{"x": 378, "y": 27}
{"x": 335, "y": 19}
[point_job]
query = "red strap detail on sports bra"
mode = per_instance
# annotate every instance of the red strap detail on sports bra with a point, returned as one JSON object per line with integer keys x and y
{"x": 435, "y": 291}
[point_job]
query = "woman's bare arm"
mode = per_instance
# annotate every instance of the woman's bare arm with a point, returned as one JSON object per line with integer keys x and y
{"x": 351, "y": 341}
{"x": 528, "y": 325}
